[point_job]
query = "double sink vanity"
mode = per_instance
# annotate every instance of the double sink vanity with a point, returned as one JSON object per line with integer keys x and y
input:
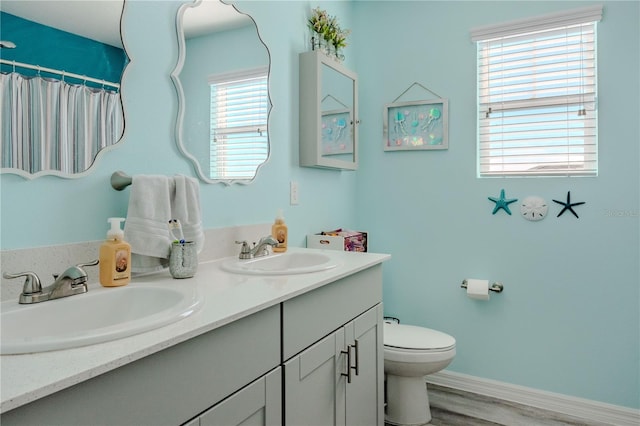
{"x": 287, "y": 339}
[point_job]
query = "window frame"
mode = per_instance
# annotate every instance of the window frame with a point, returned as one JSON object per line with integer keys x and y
{"x": 502, "y": 110}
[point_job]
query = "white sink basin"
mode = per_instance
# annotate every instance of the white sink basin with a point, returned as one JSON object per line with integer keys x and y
{"x": 101, "y": 315}
{"x": 281, "y": 264}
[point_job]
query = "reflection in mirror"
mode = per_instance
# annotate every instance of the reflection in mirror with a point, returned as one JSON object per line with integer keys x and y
{"x": 222, "y": 84}
{"x": 62, "y": 62}
{"x": 336, "y": 108}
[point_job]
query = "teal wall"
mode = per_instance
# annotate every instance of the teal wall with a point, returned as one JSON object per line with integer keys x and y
{"x": 568, "y": 320}
{"x": 41, "y": 45}
{"x": 50, "y": 210}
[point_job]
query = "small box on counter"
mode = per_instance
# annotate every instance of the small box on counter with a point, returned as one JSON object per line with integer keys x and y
{"x": 339, "y": 239}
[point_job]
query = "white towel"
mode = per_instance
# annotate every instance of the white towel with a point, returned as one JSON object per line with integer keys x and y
{"x": 153, "y": 201}
{"x": 146, "y": 227}
{"x": 185, "y": 206}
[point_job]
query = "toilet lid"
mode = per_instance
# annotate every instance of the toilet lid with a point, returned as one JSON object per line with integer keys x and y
{"x": 413, "y": 337}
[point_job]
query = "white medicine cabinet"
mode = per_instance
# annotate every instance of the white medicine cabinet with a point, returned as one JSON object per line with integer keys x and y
{"x": 328, "y": 113}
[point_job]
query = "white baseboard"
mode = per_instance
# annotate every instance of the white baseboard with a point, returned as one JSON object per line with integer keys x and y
{"x": 569, "y": 405}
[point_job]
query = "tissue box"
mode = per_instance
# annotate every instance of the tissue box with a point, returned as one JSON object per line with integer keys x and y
{"x": 339, "y": 240}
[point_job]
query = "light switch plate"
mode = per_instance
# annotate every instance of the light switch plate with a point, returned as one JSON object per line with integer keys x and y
{"x": 293, "y": 193}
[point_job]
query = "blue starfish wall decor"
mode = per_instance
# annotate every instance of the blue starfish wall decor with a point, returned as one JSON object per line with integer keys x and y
{"x": 501, "y": 203}
{"x": 568, "y": 205}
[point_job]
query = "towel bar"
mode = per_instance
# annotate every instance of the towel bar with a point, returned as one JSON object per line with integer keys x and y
{"x": 120, "y": 180}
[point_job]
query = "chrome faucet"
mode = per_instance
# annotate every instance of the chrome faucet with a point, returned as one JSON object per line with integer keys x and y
{"x": 258, "y": 250}
{"x": 72, "y": 281}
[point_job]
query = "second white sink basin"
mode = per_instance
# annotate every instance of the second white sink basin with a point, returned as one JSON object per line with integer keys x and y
{"x": 101, "y": 315}
{"x": 281, "y": 264}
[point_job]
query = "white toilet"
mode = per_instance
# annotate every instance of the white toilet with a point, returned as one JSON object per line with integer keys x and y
{"x": 410, "y": 353}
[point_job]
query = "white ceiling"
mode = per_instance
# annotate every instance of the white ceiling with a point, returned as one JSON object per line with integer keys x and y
{"x": 210, "y": 16}
{"x": 100, "y": 19}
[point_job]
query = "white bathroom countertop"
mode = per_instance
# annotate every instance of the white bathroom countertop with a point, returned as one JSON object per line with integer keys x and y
{"x": 226, "y": 297}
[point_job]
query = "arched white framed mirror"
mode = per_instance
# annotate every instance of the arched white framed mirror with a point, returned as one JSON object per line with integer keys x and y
{"x": 62, "y": 64}
{"x": 223, "y": 99}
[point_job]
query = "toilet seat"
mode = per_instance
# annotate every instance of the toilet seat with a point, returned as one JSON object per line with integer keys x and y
{"x": 409, "y": 356}
{"x": 410, "y": 338}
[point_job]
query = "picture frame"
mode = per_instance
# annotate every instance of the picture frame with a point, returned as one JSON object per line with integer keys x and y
{"x": 336, "y": 127}
{"x": 416, "y": 125}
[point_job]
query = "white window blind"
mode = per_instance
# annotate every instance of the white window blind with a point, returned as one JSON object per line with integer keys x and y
{"x": 537, "y": 96}
{"x": 239, "y": 116}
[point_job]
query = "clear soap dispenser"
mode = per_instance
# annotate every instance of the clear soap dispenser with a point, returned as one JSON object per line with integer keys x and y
{"x": 115, "y": 257}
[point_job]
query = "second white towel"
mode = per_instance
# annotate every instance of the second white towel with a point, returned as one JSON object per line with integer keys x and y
{"x": 154, "y": 200}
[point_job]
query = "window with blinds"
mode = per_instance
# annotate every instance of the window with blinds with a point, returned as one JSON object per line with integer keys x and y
{"x": 537, "y": 93}
{"x": 239, "y": 116}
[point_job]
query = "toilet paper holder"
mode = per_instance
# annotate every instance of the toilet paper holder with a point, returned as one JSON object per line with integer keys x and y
{"x": 495, "y": 287}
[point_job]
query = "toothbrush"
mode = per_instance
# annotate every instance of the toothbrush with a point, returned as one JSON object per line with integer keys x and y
{"x": 176, "y": 231}
{"x": 179, "y": 227}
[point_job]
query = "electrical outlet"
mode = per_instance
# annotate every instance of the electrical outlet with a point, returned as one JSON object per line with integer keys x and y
{"x": 293, "y": 192}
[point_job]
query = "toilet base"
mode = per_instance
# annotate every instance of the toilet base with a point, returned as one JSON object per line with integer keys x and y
{"x": 407, "y": 401}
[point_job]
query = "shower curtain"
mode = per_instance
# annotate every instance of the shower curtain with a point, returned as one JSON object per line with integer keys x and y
{"x": 49, "y": 124}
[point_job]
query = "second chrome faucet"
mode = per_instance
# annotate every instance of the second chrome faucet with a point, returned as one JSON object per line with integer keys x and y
{"x": 258, "y": 250}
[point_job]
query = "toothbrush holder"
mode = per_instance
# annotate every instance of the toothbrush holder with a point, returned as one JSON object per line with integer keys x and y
{"x": 183, "y": 262}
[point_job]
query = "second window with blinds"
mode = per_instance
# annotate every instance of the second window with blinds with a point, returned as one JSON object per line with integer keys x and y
{"x": 537, "y": 93}
{"x": 239, "y": 141}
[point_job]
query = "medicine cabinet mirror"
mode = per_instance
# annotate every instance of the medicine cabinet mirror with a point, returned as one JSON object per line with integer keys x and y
{"x": 328, "y": 113}
{"x": 62, "y": 62}
{"x": 222, "y": 84}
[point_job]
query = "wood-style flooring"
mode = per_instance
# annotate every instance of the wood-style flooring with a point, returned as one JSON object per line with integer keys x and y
{"x": 451, "y": 407}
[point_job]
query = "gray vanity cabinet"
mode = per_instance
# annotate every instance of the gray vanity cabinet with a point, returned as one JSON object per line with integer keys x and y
{"x": 173, "y": 386}
{"x": 314, "y": 389}
{"x": 286, "y": 364}
{"x": 258, "y": 404}
{"x": 317, "y": 388}
{"x": 365, "y": 393}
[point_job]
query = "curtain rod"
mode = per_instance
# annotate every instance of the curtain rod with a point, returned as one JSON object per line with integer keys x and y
{"x": 62, "y": 73}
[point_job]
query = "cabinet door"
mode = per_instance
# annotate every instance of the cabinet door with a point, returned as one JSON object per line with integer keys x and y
{"x": 365, "y": 393}
{"x": 258, "y": 404}
{"x": 314, "y": 388}
{"x": 328, "y": 113}
{"x": 317, "y": 392}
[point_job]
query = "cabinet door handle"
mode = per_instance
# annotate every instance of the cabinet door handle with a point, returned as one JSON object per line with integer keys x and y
{"x": 357, "y": 348}
{"x": 348, "y": 373}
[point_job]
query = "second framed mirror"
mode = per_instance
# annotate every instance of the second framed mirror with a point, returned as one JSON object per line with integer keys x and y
{"x": 223, "y": 93}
